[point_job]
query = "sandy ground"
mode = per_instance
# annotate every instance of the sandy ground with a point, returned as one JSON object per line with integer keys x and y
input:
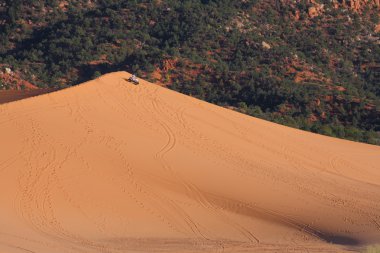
{"x": 7, "y": 96}
{"x": 109, "y": 166}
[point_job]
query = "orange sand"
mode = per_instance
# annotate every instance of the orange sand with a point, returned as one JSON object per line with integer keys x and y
{"x": 108, "y": 166}
{"x": 7, "y": 96}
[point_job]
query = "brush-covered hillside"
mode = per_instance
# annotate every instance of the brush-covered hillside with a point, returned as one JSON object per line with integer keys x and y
{"x": 312, "y": 65}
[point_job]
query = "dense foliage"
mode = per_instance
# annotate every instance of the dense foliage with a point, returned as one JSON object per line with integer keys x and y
{"x": 266, "y": 58}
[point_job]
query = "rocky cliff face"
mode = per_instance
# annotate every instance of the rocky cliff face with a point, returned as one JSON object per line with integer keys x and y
{"x": 358, "y": 5}
{"x": 355, "y": 5}
{"x": 316, "y": 8}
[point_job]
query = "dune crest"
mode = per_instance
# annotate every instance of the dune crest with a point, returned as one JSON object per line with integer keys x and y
{"x": 108, "y": 166}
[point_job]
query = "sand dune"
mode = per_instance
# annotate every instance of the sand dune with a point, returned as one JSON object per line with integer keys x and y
{"x": 108, "y": 166}
{"x": 7, "y": 96}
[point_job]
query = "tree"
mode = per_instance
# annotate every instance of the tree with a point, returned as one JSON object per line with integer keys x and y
{"x": 96, "y": 74}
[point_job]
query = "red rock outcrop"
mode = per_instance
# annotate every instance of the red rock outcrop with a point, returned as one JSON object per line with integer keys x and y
{"x": 316, "y": 10}
{"x": 357, "y": 5}
{"x": 377, "y": 28}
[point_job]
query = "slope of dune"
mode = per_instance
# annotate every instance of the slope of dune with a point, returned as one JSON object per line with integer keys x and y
{"x": 7, "y": 96}
{"x": 108, "y": 166}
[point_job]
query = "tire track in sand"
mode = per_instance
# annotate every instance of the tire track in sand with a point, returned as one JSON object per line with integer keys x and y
{"x": 191, "y": 188}
{"x": 149, "y": 193}
{"x": 261, "y": 211}
{"x": 161, "y": 154}
{"x": 204, "y": 200}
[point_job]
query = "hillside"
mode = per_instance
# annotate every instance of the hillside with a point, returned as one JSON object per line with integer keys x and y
{"x": 310, "y": 64}
{"x": 108, "y": 166}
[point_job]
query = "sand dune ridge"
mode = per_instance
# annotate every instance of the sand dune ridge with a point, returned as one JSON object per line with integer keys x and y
{"x": 108, "y": 166}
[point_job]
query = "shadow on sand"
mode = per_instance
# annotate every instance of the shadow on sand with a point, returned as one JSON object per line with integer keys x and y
{"x": 341, "y": 240}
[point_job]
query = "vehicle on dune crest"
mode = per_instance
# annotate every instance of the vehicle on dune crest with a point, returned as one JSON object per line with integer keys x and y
{"x": 134, "y": 80}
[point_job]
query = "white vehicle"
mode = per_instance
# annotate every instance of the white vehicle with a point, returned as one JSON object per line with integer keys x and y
{"x": 134, "y": 79}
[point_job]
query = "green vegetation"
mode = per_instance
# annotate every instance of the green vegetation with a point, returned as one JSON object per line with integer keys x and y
{"x": 319, "y": 74}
